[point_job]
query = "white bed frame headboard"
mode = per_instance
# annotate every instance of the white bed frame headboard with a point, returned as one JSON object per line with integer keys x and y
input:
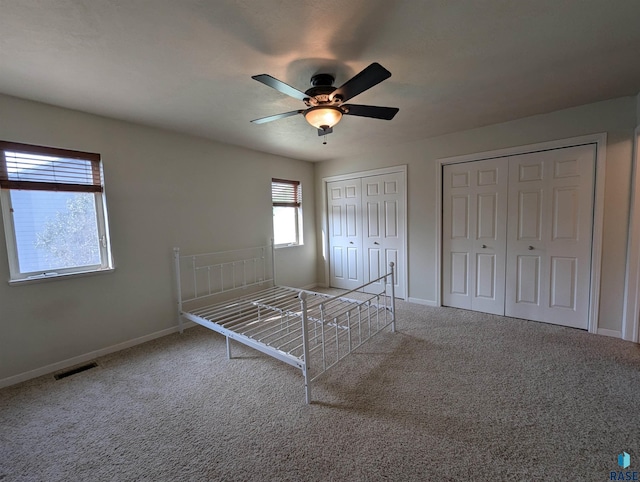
{"x": 206, "y": 275}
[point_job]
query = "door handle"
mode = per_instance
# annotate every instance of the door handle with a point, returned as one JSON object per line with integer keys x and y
{"x": 350, "y": 242}
{"x": 375, "y": 242}
{"x": 531, "y": 248}
{"x": 484, "y": 246}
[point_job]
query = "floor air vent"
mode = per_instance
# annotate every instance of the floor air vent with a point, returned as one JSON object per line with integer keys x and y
{"x": 75, "y": 370}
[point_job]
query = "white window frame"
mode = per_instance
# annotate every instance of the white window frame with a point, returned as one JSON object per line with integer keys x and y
{"x": 297, "y": 207}
{"x": 106, "y": 260}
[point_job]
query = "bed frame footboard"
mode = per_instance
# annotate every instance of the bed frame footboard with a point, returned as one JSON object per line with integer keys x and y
{"x": 336, "y": 326}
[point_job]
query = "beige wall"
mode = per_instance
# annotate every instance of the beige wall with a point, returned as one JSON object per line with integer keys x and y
{"x": 163, "y": 190}
{"x": 166, "y": 189}
{"x": 615, "y": 117}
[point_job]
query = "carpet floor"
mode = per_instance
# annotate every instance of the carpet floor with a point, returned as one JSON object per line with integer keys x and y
{"x": 453, "y": 395}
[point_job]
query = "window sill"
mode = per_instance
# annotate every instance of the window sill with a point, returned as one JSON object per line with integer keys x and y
{"x": 281, "y": 246}
{"x": 44, "y": 279}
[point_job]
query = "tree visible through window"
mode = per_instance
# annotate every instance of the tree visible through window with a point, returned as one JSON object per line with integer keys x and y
{"x": 286, "y": 197}
{"x": 71, "y": 238}
{"x": 53, "y": 210}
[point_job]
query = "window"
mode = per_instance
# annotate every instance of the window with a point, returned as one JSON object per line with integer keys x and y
{"x": 54, "y": 211}
{"x": 286, "y": 197}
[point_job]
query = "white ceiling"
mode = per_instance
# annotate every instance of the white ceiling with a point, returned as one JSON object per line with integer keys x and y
{"x": 186, "y": 65}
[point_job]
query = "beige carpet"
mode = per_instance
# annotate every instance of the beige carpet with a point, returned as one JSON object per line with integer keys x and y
{"x": 453, "y": 395}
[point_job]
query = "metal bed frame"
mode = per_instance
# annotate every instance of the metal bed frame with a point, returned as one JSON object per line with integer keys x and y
{"x": 308, "y": 330}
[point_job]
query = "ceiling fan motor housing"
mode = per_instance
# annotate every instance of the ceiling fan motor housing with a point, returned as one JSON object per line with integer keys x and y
{"x": 322, "y": 79}
{"x": 321, "y": 90}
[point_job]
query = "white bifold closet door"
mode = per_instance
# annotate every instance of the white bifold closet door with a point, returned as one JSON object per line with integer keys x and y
{"x": 474, "y": 235}
{"x": 366, "y": 230}
{"x": 550, "y": 235}
{"x": 517, "y": 235}
{"x": 383, "y": 227}
{"x": 346, "y": 269}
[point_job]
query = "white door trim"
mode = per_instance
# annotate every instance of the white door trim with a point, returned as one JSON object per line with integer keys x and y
{"x": 631, "y": 313}
{"x": 325, "y": 216}
{"x": 600, "y": 140}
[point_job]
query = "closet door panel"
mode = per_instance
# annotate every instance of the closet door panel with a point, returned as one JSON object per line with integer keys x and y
{"x": 345, "y": 236}
{"x": 474, "y": 235}
{"x": 383, "y": 199}
{"x": 550, "y": 235}
{"x": 485, "y": 276}
{"x": 459, "y": 276}
{"x": 367, "y": 230}
{"x": 528, "y": 280}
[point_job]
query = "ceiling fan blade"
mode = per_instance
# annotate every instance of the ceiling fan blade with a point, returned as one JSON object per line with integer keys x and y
{"x": 370, "y": 76}
{"x": 386, "y": 113}
{"x": 280, "y": 86}
{"x": 270, "y": 118}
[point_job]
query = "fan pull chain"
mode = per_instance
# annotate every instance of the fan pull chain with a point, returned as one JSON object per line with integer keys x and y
{"x": 325, "y": 140}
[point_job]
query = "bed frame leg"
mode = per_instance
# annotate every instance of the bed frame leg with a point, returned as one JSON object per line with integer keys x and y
{"x": 305, "y": 346}
{"x": 176, "y": 259}
{"x": 228, "y": 348}
{"x": 307, "y": 387}
{"x": 393, "y": 297}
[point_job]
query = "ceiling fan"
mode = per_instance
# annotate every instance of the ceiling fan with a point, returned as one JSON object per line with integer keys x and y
{"x": 325, "y": 103}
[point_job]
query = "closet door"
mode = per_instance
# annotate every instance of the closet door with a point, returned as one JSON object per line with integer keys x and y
{"x": 345, "y": 234}
{"x": 383, "y": 228}
{"x": 550, "y": 235}
{"x": 474, "y": 235}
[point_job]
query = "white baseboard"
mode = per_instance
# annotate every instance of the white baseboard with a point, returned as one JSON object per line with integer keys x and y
{"x": 77, "y": 360}
{"x": 310, "y": 287}
{"x": 612, "y": 333}
{"x": 420, "y": 301}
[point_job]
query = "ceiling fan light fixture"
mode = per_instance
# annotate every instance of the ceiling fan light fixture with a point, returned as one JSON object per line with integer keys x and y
{"x": 323, "y": 117}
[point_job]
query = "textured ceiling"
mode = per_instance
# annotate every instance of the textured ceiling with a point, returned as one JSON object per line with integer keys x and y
{"x": 187, "y": 65}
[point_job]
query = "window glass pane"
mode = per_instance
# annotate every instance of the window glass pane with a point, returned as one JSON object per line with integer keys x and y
{"x": 284, "y": 225}
{"x": 55, "y": 230}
